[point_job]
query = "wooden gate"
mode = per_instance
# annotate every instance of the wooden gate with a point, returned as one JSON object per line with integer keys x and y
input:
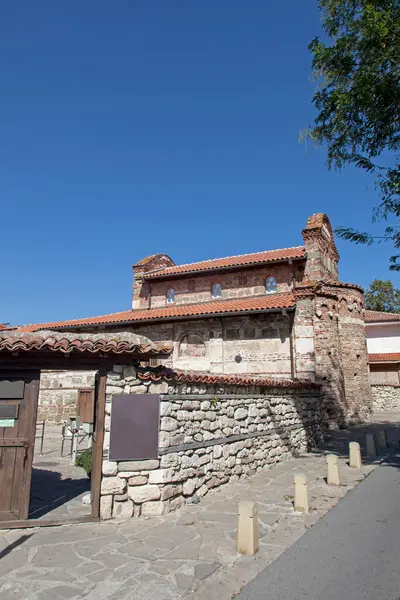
{"x": 19, "y": 392}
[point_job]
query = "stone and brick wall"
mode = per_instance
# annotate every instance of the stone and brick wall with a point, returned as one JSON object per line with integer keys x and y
{"x": 209, "y": 435}
{"x": 243, "y": 283}
{"x": 251, "y": 344}
{"x": 58, "y": 393}
{"x": 386, "y": 397}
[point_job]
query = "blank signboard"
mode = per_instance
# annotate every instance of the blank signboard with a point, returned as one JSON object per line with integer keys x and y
{"x": 134, "y": 427}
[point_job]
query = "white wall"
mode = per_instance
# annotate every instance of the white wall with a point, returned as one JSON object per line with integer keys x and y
{"x": 382, "y": 339}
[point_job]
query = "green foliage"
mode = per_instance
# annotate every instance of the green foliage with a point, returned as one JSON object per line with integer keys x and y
{"x": 358, "y": 101}
{"x": 84, "y": 460}
{"x": 382, "y": 296}
{"x": 214, "y": 402}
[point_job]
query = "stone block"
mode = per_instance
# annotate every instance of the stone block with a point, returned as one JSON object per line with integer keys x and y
{"x": 158, "y": 388}
{"x": 109, "y": 467}
{"x": 123, "y": 510}
{"x": 241, "y": 413}
{"x": 170, "y": 491}
{"x": 169, "y": 460}
{"x": 106, "y": 505}
{"x": 247, "y": 541}
{"x": 138, "y": 465}
{"x": 121, "y": 497}
{"x": 161, "y": 476}
{"x": 138, "y": 480}
{"x": 189, "y": 487}
{"x": 165, "y": 409}
{"x": 164, "y": 439}
{"x": 144, "y": 493}
{"x": 168, "y": 424}
{"x": 217, "y": 451}
{"x": 152, "y": 509}
{"x": 113, "y": 389}
{"x": 112, "y": 485}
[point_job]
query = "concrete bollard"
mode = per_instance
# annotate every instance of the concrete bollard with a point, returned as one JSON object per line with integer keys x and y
{"x": 382, "y": 439}
{"x": 247, "y": 541}
{"x": 355, "y": 455}
{"x": 333, "y": 469}
{"x": 301, "y": 494}
{"x": 370, "y": 444}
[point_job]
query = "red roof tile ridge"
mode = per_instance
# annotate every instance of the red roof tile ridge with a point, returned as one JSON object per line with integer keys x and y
{"x": 376, "y": 316}
{"x": 212, "y": 260}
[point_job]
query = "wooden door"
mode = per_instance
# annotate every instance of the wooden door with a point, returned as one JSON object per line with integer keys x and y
{"x": 86, "y": 405}
{"x": 19, "y": 392}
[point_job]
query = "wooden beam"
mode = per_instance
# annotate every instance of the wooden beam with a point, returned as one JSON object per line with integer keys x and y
{"x": 98, "y": 439}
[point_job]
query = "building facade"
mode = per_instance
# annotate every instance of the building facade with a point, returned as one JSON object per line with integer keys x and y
{"x": 280, "y": 314}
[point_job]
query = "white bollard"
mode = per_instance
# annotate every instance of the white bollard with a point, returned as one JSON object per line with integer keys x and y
{"x": 333, "y": 469}
{"x": 247, "y": 541}
{"x": 370, "y": 444}
{"x": 301, "y": 494}
{"x": 355, "y": 455}
{"x": 382, "y": 439}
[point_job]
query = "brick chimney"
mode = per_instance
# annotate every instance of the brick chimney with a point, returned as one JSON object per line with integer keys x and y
{"x": 322, "y": 255}
{"x": 141, "y": 288}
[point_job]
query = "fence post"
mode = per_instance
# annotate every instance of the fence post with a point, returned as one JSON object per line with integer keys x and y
{"x": 247, "y": 541}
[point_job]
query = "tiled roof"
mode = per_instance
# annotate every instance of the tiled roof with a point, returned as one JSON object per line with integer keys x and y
{"x": 255, "y": 303}
{"x": 157, "y": 374}
{"x": 389, "y": 357}
{"x": 3, "y": 327}
{"x": 375, "y": 316}
{"x": 125, "y": 343}
{"x": 230, "y": 261}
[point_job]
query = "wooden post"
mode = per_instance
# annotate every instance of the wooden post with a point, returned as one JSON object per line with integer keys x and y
{"x": 247, "y": 541}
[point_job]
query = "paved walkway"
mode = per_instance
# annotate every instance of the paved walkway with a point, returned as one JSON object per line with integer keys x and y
{"x": 57, "y": 484}
{"x": 187, "y": 554}
{"x": 341, "y": 558}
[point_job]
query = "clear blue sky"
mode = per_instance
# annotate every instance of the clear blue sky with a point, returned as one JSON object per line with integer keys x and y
{"x": 130, "y": 128}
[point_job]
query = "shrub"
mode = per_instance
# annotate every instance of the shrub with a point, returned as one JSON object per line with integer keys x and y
{"x": 84, "y": 460}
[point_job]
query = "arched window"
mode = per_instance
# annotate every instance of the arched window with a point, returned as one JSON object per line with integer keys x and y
{"x": 270, "y": 285}
{"x": 171, "y": 296}
{"x": 216, "y": 290}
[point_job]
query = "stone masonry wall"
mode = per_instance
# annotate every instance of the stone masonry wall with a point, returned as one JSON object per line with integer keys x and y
{"x": 385, "y": 397}
{"x": 58, "y": 393}
{"x": 209, "y": 435}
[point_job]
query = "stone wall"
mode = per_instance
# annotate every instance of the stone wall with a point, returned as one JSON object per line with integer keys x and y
{"x": 385, "y": 397}
{"x": 58, "y": 393}
{"x": 209, "y": 435}
{"x": 249, "y": 344}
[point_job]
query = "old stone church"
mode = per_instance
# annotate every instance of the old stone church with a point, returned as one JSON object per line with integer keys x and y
{"x": 277, "y": 314}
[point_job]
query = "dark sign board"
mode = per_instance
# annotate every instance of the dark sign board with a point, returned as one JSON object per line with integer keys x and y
{"x": 12, "y": 389}
{"x": 9, "y": 411}
{"x": 134, "y": 427}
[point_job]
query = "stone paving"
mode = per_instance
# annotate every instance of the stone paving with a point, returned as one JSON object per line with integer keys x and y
{"x": 187, "y": 554}
{"x": 57, "y": 484}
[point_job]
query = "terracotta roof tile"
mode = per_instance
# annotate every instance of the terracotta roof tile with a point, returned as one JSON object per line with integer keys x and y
{"x": 389, "y": 357}
{"x": 255, "y": 303}
{"x": 230, "y": 261}
{"x": 115, "y": 344}
{"x": 161, "y": 373}
{"x": 375, "y": 316}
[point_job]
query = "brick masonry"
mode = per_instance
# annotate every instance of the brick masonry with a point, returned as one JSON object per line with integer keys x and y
{"x": 216, "y": 435}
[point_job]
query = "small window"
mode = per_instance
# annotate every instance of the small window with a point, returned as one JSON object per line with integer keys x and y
{"x": 192, "y": 286}
{"x": 242, "y": 280}
{"x": 171, "y": 296}
{"x": 232, "y": 334}
{"x": 270, "y": 285}
{"x": 216, "y": 290}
